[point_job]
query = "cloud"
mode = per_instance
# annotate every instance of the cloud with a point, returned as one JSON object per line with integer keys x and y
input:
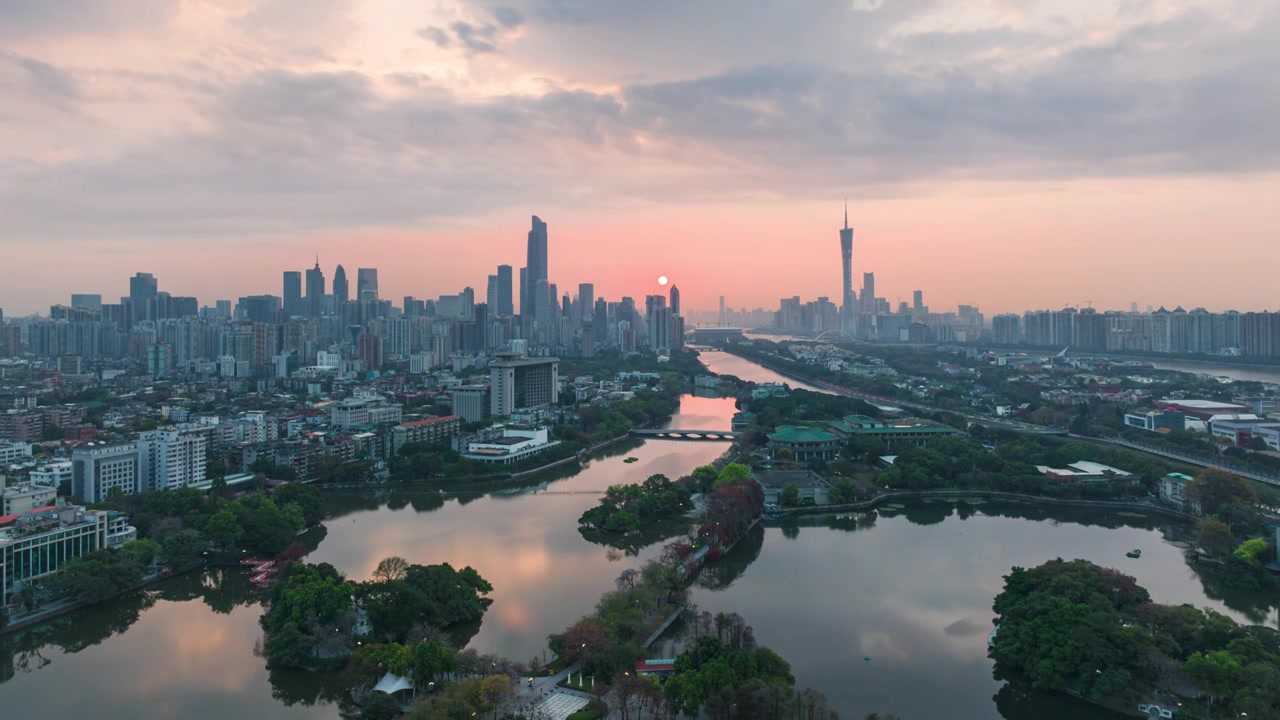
{"x": 312, "y": 145}
{"x": 477, "y": 38}
{"x": 37, "y": 18}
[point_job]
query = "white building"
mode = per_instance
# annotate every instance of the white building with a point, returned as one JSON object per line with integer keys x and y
{"x": 14, "y": 452}
{"x": 172, "y": 458}
{"x": 36, "y": 545}
{"x": 25, "y": 497}
{"x": 470, "y": 402}
{"x": 96, "y": 470}
{"x": 517, "y": 442}
{"x": 52, "y": 474}
{"x": 363, "y": 411}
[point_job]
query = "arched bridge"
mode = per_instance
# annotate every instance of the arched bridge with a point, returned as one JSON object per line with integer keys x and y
{"x": 706, "y": 435}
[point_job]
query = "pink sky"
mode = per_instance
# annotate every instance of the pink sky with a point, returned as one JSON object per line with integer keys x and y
{"x": 1010, "y": 155}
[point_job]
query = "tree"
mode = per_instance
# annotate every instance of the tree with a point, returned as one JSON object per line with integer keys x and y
{"x": 1216, "y": 673}
{"x": 496, "y": 691}
{"x": 183, "y": 547}
{"x": 142, "y": 552}
{"x": 308, "y": 499}
{"x": 391, "y": 568}
{"x": 379, "y": 706}
{"x": 627, "y": 580}
{"x": 733, "y": 472}
{"x": 1257, "y": 443}
{"x": 790, "y": 495}
{"x": 222, "y": 528}
{"x": 1214, "y": 488}
{"x": 1215, "y": 537}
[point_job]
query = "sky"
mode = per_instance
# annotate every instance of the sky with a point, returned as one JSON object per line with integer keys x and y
{"x": 1012, "y": 154}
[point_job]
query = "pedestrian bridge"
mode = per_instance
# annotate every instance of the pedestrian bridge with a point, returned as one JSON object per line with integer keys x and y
{"x": 681, "y": 434}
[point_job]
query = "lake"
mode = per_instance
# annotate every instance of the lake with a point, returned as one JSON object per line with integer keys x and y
{"x": 911, "y": 591}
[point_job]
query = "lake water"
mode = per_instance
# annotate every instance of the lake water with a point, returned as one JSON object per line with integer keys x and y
{"x": 912, "y": 592}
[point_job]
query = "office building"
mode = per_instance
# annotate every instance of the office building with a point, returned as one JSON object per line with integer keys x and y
{"x": 292, "y": 293}
{"x": 97, "y": 470}
{"x": 87, "y": 302}
{"x": 504, "y": 307}
{"x": 517, "y": 443}
{"x": 363, "y": 411}
{"x": 586, "y": 302}
{"x": 846, "y": 259}
{"x": 315, "y": 290}
{"x": 37, "y": 544}
{"x": 519, "y": 383}
{"x": 142, "y": 289}
{"x": 674, "y": 298}
{"x": 535, "y": 282}
{"x": 172, "y": 458}
{"x": 430, "y": 431}
{"x": 367, "y": 284}
{"x": 470, "y": 402}
{"x": 658, "y": 322}
{"x": 341, "y": 291}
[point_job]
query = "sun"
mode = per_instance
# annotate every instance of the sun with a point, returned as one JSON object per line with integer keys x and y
{"x": 662, "y": 280}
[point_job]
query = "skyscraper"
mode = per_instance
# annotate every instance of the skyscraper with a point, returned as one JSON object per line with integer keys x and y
{"x": 869, "y": 292}
{"x": 504, "y": 308}
{"x": 142, "y": 288}
{"x": 675, "y": 300}
{"x": 723, "y": 318}
{"x": 491, "y": 291}
{"x": 846, "y": 257}
{"x": 367, "y": 284}
{"x": 586, "y": 301}
{"x": 292, "y": 293}
{"x": 917, "y": 301}
{"x": 341, "y": 291}
{"x": 315, "y": 290}
{"x": 536, "y": 279}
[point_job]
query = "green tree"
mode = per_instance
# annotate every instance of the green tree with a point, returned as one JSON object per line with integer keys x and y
{"x": 1258, "y": 444}
{"x": 141, "y": 552}
{"x": 1214, "y": 488}
{"x": 1218, "y": 674}
{"x": 790, "y": 495}
{"x": 1215, "y": 537}
{"x": 379, "y": 706}
{"x": 391, "y": 568}
{"x": 222, "y": 528}
{"x": 733, "y": 472}
{"x": 308, "y": 499}
{"x": 183, "y": 547}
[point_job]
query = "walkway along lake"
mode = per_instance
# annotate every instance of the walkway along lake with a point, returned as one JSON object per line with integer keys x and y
{"x": 912, "y": 591}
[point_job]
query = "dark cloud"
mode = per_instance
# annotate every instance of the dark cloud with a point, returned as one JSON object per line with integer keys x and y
{"x": 47, "y": 81}
{"x": 476, "y": 38}
{"x": 34, "y": 18}
{"x": 439, "y": 36}
{"x": 508, "y": 17}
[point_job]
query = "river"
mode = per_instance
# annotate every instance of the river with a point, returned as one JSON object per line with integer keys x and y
{"x": 912, "y": 592}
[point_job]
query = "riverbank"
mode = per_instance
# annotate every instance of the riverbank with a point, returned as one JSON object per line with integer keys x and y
{"x": 47, "y": 614}
{"x": 890, "y": 498}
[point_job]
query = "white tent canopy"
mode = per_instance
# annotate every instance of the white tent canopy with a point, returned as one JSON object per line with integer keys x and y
{"x": 392, "y": 684}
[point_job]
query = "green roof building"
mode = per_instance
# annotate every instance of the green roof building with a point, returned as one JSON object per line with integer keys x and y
{"x": 895, "y": 434}
{"x": 805, "y": 443}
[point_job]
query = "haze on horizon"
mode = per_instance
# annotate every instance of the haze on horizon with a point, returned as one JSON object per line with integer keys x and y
{"x": 1013, "y": 154}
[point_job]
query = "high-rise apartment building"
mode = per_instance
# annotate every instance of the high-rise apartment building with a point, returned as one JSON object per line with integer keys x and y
{"x": 172, "y": 458}
{"x": 586, "y": 301}
{"x": 97, "y": 470}
{"x": 292, "y": 293}
{"x": 658, "y": 321}
{"x": 87, "y": 301}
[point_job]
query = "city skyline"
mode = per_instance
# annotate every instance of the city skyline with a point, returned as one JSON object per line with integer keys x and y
{"x": 977, "y": 145}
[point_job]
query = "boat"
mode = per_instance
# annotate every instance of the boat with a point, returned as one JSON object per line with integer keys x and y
{"x": 1134, "y": 553}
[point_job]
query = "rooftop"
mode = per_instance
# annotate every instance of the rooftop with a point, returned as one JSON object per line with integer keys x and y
{"x": 778, "y": 479}
{"x": 793, "y": 434}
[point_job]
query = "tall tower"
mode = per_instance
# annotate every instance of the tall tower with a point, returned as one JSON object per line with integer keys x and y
{"x": 367, "y": 284}
{"x": 586, "y": 301}
{"x": 846, "y": 257}
{"x": 536, "y": 279}
{"x": 315, "y": 290}
{"x": 292, "y": 293}
{"x": 675, "y": 300}
{"x": 504, "y": 307}
{"x": 341, "y": 290}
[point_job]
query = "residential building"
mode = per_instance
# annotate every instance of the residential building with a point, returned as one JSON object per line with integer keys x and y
{"x": 39, "y": 543}
{"x": 52, "y": 474}
{"x": 12, "y": 452}
{"x": 813, "y": 489}
{"x": 172, "y": 458}
{"x": 805, "y": 443}
{"x": 21, "y": 498}
{"x": 517, "y": 443}
{"x": 470, "y": 402}
{"x": 363, "y": 411}
{"x": 96, "y": 470}
{"x": 1173, "y": 490}
{"x": 518, "y": 383}
{"x": 429, "y": 430}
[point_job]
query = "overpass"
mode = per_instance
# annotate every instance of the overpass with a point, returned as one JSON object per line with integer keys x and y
{"x": 683, "y": 434}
